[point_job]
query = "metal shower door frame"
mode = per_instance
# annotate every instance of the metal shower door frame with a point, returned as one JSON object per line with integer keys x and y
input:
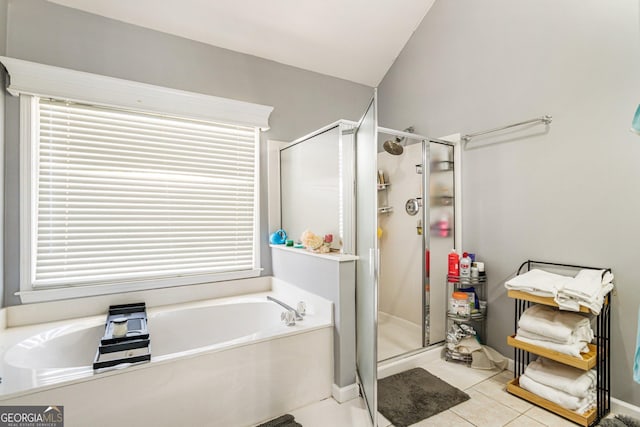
{"x": 367, "y": 265}
{"x": 426, "y": 234}
{"x": 426, "y": 175}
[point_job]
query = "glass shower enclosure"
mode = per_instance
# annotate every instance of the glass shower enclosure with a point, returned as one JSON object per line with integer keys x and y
{"x": 405, "y": 228}
{"x": 394, "y": 210}
{"x": 368, "y": 262}
{"x": 415, "y": 234}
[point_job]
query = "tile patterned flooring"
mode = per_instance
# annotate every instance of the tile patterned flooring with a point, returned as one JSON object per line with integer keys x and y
{"x": 489, "y": 405}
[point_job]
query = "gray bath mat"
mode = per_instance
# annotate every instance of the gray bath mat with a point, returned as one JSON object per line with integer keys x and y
{"x": 286, "y": 420}
{"x": 620, "y": 421}
{"x": 413, "y": 395}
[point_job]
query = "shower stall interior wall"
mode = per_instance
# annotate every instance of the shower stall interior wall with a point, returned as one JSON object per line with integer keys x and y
{"x": 402, "y": 309}
{"x": 400, "y": 291}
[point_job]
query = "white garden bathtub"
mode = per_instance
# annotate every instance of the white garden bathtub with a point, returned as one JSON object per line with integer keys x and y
{"x": 226, "y": 362}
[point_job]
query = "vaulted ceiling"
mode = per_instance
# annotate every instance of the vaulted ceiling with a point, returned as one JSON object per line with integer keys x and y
{"x": 356, "y": 40}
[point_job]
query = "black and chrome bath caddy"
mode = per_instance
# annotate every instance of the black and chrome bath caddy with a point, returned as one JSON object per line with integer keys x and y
{"x": 598, "y": 357}
{"x": 128, "y": 348}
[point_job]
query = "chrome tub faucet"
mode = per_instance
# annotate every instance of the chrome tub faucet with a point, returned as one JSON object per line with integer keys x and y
{"x": 291, "y": 314}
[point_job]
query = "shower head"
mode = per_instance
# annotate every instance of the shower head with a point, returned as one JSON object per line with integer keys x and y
{"x": 394, "y": 146}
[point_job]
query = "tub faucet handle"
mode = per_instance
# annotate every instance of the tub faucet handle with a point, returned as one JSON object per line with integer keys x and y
{"x": 301, "y": 308}
{"x": 288, "y": 317}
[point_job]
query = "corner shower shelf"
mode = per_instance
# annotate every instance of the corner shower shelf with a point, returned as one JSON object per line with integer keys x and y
{"x": 456, "y": 282}
{"x": 477, "y": 319}
{"x": 598, "y": 356}
{"x": 474, "y": 317}
{"x": 442, "y": 200}
{"x": 469, "y": 281}
{"x": 384, "y": 209}
{"x": 457, "y": 356}
{"x": 442, "y": 166}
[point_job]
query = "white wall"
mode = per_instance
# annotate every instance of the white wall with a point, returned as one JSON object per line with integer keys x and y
{"x": 570, "y": 195}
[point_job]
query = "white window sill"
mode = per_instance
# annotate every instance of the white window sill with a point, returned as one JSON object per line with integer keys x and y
{"x": 71, "y": 292}
{"x": 330, "y": 256}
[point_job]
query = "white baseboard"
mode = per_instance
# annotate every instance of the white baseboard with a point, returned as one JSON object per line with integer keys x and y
{"x": 343, "y": 394}
{"x": 624, "y": 408}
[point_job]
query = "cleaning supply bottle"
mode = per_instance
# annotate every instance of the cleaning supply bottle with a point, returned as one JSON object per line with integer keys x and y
{"x": 465, "y": 265}
{"x": 459, "y": 304}
{"x": 454, "y": 263}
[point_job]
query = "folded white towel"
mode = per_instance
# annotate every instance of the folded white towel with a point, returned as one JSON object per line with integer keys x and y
{"x": 566, "y": 302}
{"x": 573, "y": 381}
{"x": 573, "y": 303}
{"x": 588, "y": 405}
{"x": 596, "y": 306}
{"x": 538, "y": 282}
{"x": 556, "y": 325}
{"x": 584, "y": 334}
{"x": 556, "y": 396}
{"x": 570, "y": 349}
{"x": 588, "y": 284}
{"x": 588, "y": 289}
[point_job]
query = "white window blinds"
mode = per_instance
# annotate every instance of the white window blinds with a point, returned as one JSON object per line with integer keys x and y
{"x": 125, "y": 196}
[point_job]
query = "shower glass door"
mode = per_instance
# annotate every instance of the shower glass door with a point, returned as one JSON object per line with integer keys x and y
{"x": 440, "y": 191}
{"x": 367, "y": 251}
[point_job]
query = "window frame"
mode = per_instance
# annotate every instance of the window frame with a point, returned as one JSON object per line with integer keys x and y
{"x": 29, "y": 155}
{"x": 29, "y": 79}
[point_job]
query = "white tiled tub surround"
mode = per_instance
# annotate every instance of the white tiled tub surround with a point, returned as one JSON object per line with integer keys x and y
{"x": 214, "y": 362}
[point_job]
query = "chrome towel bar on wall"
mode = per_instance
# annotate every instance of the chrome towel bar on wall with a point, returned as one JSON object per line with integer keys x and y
{"x": 546, "y": 120}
